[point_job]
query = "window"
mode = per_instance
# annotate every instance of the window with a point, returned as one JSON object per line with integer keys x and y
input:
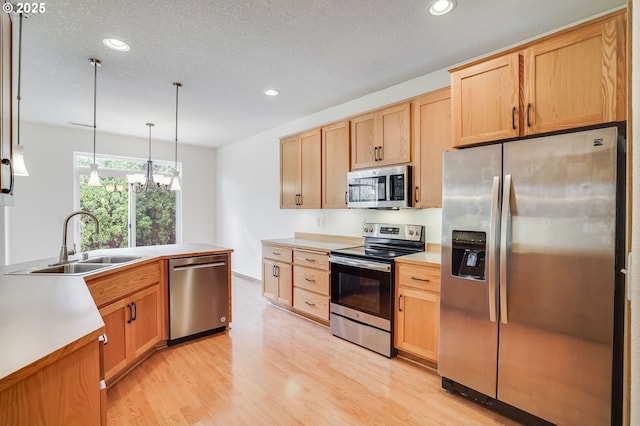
{"x": 127, "y": 218}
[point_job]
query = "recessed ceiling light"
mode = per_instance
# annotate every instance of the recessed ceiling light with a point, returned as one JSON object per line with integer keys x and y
{"x": 272, "y": 92}
{"x": 441, "y": 7}
{"x": 115, "y": 44}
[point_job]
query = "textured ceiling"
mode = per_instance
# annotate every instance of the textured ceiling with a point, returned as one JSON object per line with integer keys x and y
{"x": 318, "y": 53}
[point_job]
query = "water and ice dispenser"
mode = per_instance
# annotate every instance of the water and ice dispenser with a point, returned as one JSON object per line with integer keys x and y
{"x": 468, "y": 254}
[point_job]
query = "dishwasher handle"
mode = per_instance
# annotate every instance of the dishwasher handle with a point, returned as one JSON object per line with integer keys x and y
{"x": 199, "y": 266}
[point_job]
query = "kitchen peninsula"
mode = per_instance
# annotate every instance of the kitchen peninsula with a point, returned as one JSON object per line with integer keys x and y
{"x": 50, "y": 325}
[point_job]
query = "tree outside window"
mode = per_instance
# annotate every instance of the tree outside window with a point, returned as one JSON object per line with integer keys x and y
{"x": 127, "y": 218}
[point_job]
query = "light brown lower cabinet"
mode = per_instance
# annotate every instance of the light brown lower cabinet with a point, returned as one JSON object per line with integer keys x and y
{"x": 132, "y": 305}
{"x": 64, "y": 392}
{"x": 132, "y": 328}
{"x": 276, "y": 281}
{"x": 417, "y": 310}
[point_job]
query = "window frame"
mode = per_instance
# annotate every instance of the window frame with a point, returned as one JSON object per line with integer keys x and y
{"x": 85, "y": 171}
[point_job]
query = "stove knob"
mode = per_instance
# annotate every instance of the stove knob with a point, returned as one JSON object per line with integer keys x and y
{"x": 411, "y": 232}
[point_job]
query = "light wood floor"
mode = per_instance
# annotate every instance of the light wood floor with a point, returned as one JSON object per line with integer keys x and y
{"x": 276, "y": 368}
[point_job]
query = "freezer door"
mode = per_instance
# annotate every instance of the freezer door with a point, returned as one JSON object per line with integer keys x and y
{"x": 468, "y": 340}
{"x": 558, "y": 277}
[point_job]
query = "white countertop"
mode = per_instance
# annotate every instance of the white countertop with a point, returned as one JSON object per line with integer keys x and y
{"x": 40, "y": 314}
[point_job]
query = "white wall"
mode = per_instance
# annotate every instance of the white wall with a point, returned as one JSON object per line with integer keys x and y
{"x": 44, "y": 198}
{"x": 248, "y": 176}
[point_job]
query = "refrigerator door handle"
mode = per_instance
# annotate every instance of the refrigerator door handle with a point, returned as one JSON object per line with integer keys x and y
{"x": 504, "y": 231}
{"x": 493, "y": 227}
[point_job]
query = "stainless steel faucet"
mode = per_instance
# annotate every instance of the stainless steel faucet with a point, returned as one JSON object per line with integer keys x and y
{"x": 64, "y": 252}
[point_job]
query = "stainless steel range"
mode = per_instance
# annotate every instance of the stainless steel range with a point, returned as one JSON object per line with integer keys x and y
{"x": 362, "y": 284}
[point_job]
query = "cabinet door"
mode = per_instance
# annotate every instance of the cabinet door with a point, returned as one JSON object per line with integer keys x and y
{"x": 285, "y": 284}
{"x": 363, "y": 141}
{"x": 395, "y": 131}
{"x": 418, "y": 314}
{"x": 432, "y": 137}
{"x": 310, "y": 172}
{"x": 146, "y": 326}
{"x": 269, "y": 280}
{"x": 289, "y": 172}
{"x": 485, "y": 101}
{"x": 335, "y": 165}
{"x": 115, "y": 317}
{"x": 572, "y": 80}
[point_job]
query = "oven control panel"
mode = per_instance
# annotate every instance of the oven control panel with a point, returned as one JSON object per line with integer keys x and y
{"x": 396, "y": 232}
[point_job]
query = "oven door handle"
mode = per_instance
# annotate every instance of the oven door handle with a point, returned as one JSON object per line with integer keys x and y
{"x": 358, "y": 263}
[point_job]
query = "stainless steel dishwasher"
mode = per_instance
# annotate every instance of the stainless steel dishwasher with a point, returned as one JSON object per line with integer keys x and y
{"x": 198, "y": 296}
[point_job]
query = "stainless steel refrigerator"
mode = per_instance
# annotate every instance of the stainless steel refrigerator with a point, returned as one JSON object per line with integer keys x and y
{"x": 530, "y": 276}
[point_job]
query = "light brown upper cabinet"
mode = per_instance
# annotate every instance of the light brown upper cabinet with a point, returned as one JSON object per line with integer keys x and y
{"x": 300, "y": 173}
{"x": 431, "y": 137}
{"x": 570, "y": 79}
{"x": 381, "y": 137}
{"x": 335, "y": 165}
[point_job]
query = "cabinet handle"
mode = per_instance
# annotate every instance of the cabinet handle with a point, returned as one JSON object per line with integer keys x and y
{"x": 309, "y": 303}
{"x": 346, "y": 201}
{"x": 103, "y": 338}
{"x": 528, "y": 110}
{"x": 513, "y": 118}
{"x": 309, "y": 260}
{"x": 130, "y": 314}
{"x": 135, "y": 311}
{"x": 425, "y": 280}
{"x": 375, "y": 154}
{"x": 380, "y": 153}
{"x": 416, "y": 197}
{"x": 275, "y": 270}
{"x": 400, "y": 303}
{"x": 309, "y": 280}
{"x": 6, "y": 161}
{"x": 276, "y": 253}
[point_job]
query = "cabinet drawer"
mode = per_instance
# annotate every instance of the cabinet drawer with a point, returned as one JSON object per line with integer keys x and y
{"x": 311, "y": 303}
{"x": 307, "y": 258}
{"x": 311, "y": 279}
{"x": 277, "y": 253}
{"x": 120, "y": 284}
{"x": 424, "y": 277}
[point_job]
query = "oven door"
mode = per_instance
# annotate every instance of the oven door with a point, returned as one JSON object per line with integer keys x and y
{"x": 362, "y": 290}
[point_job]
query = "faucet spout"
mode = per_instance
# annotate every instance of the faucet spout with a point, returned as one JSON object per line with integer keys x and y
{"x": 64, "y": 252}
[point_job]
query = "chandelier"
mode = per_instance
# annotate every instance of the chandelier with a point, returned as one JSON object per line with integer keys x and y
{"x": 149, "y": 181}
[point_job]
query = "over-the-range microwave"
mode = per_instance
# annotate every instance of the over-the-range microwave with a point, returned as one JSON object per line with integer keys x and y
{"x": 381, "y": 188}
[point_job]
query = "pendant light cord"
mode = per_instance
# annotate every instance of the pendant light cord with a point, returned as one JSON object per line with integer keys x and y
{"x": 19, "y": 78}
{"x": 175, "y": 167}
{"x": 96, "y": 64}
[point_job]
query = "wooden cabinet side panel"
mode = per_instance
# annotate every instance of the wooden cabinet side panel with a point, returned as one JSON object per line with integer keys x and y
{"x": 432, "y": 137}
{"x": 335, "y": 165}
{"x": 395, "y": 128}
{"x": 418, "y": 322}
{"x": 571, "y": 79}
{"x": 269, "y": 280}
{"x": 66, "y": 392}
{"x": 115, "y": 317}
{"x": 146, "y": 325}
{"x": 123, "y": 283}
{"x": 285, "y": 284}
{"x": 483, "y": 99}
{"x": 363, "y": 141}
{"x": 310, "y": 170}
{"x": 289, "y": 172}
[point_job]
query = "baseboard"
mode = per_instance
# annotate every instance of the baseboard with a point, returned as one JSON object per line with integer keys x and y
{"x": 246, "y": 277}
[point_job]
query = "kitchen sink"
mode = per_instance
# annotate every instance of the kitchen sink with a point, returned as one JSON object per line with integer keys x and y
{"x": 69, "y": 268}
{"x": 110, "y": 259}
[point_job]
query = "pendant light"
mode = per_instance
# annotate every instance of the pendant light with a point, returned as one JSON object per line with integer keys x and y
{"x": 19, "y": 167}
{"x": 175, "y": 180}
{"x": 94, "y": 178}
